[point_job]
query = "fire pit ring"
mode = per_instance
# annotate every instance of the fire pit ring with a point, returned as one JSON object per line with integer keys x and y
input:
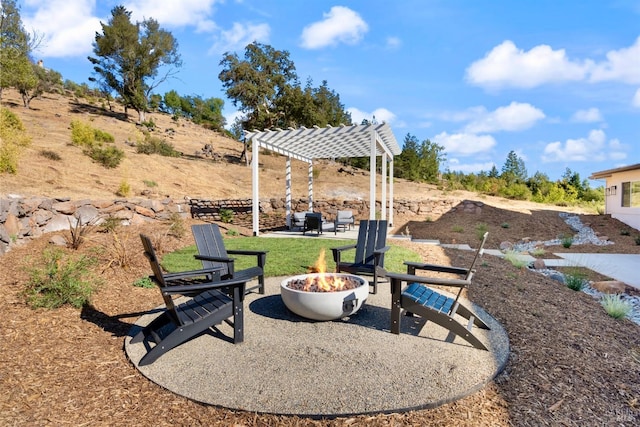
{"x": 318, "y": 305}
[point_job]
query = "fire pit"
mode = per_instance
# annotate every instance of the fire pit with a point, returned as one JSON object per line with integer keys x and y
{"x": 324, "y": 296}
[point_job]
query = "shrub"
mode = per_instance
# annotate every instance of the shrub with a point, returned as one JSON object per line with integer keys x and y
{"x": 60, "y": 280}
{"x": 109, "y": 157}
{"x": 176, "y": 226}
{"x": 102, "y": 136}
{"x": 615, "y": 306}
{"x": 231, "y": 232}
{"x": 537, "y": 252}
{"x": 226, "y": 215}
{"x": 457, "y": 229}
{"x": 51, "y": 155}
{"x": 12, "y": 138}
{"x": 110, "y": 224}
{"x": 638, "y": 240}
{"x": 149, "y": 183}
{"x": 625, "y": 232}
{"x": 82, "y": 134}
{"x": 77, "y": 233}
{"x": 154, "y": 145}
{"x": 124, "y": 189}
{"x": 567, "y": 241}
{"x": 504, "y": 225}
{"x": 575, "y": 281}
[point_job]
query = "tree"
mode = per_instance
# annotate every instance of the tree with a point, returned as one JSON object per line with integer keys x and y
{"x": 255, "y": 83}
{"x": 129, "y": 57}
{"x": 172, "y": 103}
{"x": 16, "y": 45}
{"x": 431, "y": 156}
{"x": 514, "y": 169}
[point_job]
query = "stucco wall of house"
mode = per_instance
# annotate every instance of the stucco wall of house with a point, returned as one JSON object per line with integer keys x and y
{"x": 613, "y": 198}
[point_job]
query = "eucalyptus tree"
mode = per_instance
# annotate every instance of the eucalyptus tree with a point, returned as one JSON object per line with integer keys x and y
{"x": 129, "y": 56}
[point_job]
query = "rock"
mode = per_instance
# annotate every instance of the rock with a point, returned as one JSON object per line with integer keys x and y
{"x": 609, "y": 286}
{"x": 58, "y": 240}
{"x": 539, "y": 264}
{"x": 12, "y": 225}
{"x": 557, "y": 276}
{"x": 506, "y": 246}
{"x": 67, "y": 207}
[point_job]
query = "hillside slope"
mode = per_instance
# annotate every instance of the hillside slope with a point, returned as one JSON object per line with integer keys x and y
{"x": 77, "y": 176}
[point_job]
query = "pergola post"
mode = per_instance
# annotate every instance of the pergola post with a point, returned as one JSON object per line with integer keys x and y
{"x": 287, "y": 194}
{"x": 383, "y": 188}
{"x": 372, "y": 176}
{"x": 310, "y": 186}
{"x": 391, "y": 192}
{"x": 256, "y": 186}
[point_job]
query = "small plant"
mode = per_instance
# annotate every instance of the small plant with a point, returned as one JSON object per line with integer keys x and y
{"x": 149, "y": 124}
{"x": 144, "y": 282}
{"x": 457, "y": 229}
{"x": 109, "y": 224}
{"x": 154, "y": 145}
{"x": 232, "y": 232}
{"x": 481, "y": 228}
{"x": 176, "y": 226}
{"x": 226, "y": 215}
{"x": 575, "y": 281}
{"x": 117, "y": 252}
{"x": 124, "y": 189}
{"x": 428, "y": 219}
{"x": 625, "y": 232}
{"x": 51, "y": 155}
{"x": 60, "y": 280}
{"x": 638, "y": 240}
{"x": 109, "y": 157}
{"x": 567, "y": 241}
{"x": 150, "y": 183}
{"x": 615, "y": 306}
{"x": 504, "y": 225}
{"x": 77, "y": 233}
{"x": 537, "y": 252}
{"x": 516, "y": 259}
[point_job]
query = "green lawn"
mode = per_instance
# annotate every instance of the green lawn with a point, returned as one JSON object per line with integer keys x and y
{"x": 286, "y": 256}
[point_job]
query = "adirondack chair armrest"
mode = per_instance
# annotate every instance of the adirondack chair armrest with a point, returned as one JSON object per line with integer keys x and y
{"x": 439, "y": 281}
{"x": 337, "y": 251}
{"x": 261, "y": 256}
{"x": 382, "y": 250}
{"x": 191, "y": 273}
{"x": 413, "y": 266}
{"x": 201, "y": 287}
{"x": 213, "y": 258}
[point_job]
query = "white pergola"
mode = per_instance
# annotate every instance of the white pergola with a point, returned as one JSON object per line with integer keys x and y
{"x": 327, "y": 143}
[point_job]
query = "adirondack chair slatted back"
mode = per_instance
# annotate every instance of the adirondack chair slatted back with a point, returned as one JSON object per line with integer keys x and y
{"x": 212, "y": 244}
{"x": 158, "y": 277}
{"x": 372, "y": 235}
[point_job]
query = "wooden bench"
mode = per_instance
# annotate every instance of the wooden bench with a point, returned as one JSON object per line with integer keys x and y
{"x": 204, "y": 208}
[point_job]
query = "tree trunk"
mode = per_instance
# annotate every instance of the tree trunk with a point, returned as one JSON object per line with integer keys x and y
{"x": 141, "y": 116}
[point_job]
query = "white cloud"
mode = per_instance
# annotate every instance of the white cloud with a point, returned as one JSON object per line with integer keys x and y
{"x": 514, "y": 117}
{"x": 507, "y": 66}
{"x": 591, "y": 115}
{"x": 455, "y": 165}
{"x": 380, "y": 114}
{"x": 592, "y": 148}
{"x": 68, "y": 26}
{"x": 340, "y": 25}
{"x": 239, "y": 36}
{"x": 393, "y": 42}
{"x": 636, "y": 99}
{"x": 171, "y": 13}
{"x": 464, "y": 144}
{"x": 622, "y": 65}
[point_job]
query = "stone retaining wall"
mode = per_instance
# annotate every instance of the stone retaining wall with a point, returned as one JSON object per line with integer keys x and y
{"x": 24, "y": 218}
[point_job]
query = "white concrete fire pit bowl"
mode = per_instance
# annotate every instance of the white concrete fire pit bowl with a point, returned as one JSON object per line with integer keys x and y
{"x": 317, "y": 303}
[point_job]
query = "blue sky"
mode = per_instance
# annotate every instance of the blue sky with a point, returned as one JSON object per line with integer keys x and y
{"x": 556, "y": 81}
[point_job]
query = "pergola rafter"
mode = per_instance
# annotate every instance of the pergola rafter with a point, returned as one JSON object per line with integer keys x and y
{"x": 307, "y": 144}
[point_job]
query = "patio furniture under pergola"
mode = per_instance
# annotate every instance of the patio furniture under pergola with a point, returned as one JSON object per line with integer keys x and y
{"x": 306, "y": 144}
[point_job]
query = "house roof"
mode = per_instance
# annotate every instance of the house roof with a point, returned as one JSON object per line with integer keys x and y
{"x": 328, "y": 142}
{"x": 607, "y": 173}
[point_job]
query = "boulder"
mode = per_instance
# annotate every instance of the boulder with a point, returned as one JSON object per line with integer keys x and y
{"x": 539, "y": 264}
{"x": 609, "y": 286}
{"x": 506, "y": 246}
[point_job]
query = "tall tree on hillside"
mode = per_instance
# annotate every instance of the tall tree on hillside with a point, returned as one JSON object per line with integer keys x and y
{"x": 255, "y": 83}
{"x": 514, "y": 169}
{"x": 128, "y": 58}
{"x": 431, "y": 157}
{"x": 16, "y": 46}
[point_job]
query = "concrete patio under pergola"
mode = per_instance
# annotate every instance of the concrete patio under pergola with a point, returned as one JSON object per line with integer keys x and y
{"x": 306, "y": 144}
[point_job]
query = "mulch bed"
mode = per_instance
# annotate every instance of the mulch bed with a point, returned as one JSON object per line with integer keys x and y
{"x": 570, "y": 364}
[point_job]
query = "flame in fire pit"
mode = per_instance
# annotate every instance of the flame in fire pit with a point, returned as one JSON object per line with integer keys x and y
{"x": 323, "y": 282}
